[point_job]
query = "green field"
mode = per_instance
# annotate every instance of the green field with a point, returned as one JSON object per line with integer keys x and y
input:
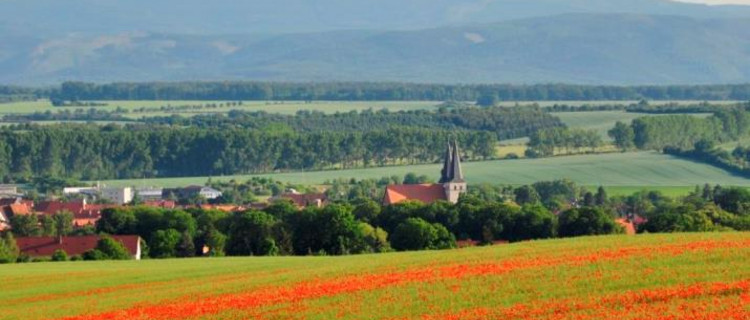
{"x": 619, "y": 171}
{"x": 606, "y": 102}
{"x": 283, "y": 107}
{"x": 674, "y": 276}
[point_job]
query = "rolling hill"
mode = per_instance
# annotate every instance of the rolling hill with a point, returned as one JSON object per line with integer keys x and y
{"x": 577, "y": 48}
{"x": 49, "y": 18}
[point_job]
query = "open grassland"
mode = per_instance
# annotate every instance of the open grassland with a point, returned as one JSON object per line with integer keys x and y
{"x": 633, "y": 171}
{"x": 606, "y": 102}
{"x": 675, "y": 276}
{"x": 594, "y": 118}
{"x": 282, "y": 107}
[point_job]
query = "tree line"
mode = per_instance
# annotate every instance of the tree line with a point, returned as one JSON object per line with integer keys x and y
{"x": 89, "y": 152}
{"x": 373, "y": 91}
{"x": 548, "y": 142}
{"x": 506, "y": 123}
{"x": 682, "y": 131}
{"x": 644, "y": 106}
{"x": 736, "y": 162}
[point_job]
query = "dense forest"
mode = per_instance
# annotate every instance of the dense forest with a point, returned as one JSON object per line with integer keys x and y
{"x": 506, "y": 123}
{"x": 91, "y": 152}
{"x": 372, "y": 91}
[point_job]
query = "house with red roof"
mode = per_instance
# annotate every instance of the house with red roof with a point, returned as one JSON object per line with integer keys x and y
{"x": 73, "y": 246}
{"x": 84, "y": 214}
{"x": 305, "y": 200}
{"x": 17, "y": 208}
{"x": 450, "y": 187}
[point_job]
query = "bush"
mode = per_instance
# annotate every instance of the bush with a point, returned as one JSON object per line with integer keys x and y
{"x": 107, "y": 249}
{"x": 417, "y": 234}
{"x": 8, "y": 249}
{"x": 586, "y": 221}
{"x": 23, "y": 258}
{"x": 94, "y": 254}
{"x": 59, "y": 255}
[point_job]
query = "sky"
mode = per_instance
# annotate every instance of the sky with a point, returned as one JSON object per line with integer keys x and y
{"x": 745, "y": 2}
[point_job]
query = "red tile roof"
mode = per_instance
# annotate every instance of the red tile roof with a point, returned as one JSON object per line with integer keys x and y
{"x": 52, "y": 207}
{"x": 426, "y": 193}
{"x": 73, "y": 246}
{"x": 8, "y": 201}
{"x": 83, "y": 214}
{"x": 304, "y": 200}
{"x": 20, "y": 208}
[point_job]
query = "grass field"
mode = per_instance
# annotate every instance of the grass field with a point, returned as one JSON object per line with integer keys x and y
{"x": 617, "y": 171}
{"x": 675, "y": 276}
{"x": 286, "y": 107}
{"x": 605, "y": 102}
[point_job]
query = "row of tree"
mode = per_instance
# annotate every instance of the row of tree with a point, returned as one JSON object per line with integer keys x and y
{"x": 89, "y": 152}
{"x": 682, "y": 131}
{"x": 736, "y": 162}
{"x": 548, "y": 142}
{"x": 248, "y": 90}
{"x": 506, "y": 123}
{"x": 644, "y": 106}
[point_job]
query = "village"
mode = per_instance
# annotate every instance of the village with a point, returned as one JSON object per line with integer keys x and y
{"x": 90, "y": 202}
{"x": 86, "y": 206}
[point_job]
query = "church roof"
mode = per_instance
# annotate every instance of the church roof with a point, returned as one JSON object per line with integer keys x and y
{"x": 458, "y": 174}
{"x": 451, "y": 171}
{"x": 426, "y": 193}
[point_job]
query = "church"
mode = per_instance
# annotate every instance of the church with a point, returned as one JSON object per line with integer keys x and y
{"x": 449, "y": 188}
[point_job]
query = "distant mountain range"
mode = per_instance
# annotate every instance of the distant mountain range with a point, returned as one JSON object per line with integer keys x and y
{"x": 448, "y": 41}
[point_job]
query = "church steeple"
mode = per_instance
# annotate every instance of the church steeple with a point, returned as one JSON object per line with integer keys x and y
{"x": 452, "y": 176}
{"x": 445, "y": 173}
{"x": 457, "y": 173}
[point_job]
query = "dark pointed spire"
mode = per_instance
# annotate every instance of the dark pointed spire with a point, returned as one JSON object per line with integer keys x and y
{"x": 457, "y": 175}
{"x": 445, "y": 174}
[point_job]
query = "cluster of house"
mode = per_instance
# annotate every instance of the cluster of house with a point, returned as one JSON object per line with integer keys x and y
{"x": 86, "y": 213}
{"x": 126, "y": 195}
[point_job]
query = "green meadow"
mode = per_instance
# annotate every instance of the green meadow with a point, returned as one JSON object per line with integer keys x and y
{"x": 283, "y": 107}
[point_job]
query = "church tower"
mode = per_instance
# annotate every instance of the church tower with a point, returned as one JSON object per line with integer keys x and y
{"x": 452, "y": 176}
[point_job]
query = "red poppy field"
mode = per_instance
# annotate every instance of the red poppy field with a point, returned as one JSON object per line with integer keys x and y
{"x": 678, "y": 276}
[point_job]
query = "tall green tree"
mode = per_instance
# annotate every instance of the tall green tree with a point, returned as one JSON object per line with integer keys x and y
{"x": 8, "y": 248}
{"x": 25, "y": 225}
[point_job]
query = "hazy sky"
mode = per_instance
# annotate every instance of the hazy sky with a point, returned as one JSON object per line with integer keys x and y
{"x": 747, "y": 2}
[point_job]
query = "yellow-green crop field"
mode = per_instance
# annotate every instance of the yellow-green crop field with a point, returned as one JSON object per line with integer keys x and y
{"x": 664, "y": 276}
